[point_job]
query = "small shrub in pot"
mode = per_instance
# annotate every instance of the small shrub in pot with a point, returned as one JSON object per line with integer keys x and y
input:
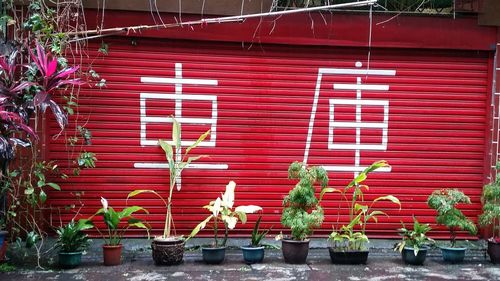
{"x": 302, "y": 211}
{"x": 444, "y": 201}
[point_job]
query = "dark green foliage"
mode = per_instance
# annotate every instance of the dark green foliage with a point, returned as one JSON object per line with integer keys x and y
{"x": 444, "y": 201}
{"x": 491, "y": 206}
{"x": 71, "y": 238}
{"x": 6, "y": 267}
{"x": 301, "y": 209}
{"x": 257, "y": 235}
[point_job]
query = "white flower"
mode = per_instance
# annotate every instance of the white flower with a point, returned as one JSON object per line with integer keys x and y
{"x": 216, "y": 207}
{"x": 104, "y": 203}
{"x": 228, "y": 196}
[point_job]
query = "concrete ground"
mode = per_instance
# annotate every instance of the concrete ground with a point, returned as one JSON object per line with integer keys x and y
{"x": 383, "y": 264}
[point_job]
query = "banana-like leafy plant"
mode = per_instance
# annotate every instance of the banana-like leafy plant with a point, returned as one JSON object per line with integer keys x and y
{"x": 177, "y": 161}
{"x": 347, "y": 238}
{"x": 444, "y": 201}
{"x": 223, "y": 212}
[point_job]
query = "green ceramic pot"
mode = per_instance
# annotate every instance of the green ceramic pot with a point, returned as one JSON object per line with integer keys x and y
{"x": 252, "y": 254}
{"x": 409, "y": 256}
{"x": 213, "y": 255}
{"x": 70, "y": 260}
{"x": 453, "y": 255}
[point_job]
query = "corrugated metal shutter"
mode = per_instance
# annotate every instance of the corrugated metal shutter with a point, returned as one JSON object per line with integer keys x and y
{"x": 422, "y": 111}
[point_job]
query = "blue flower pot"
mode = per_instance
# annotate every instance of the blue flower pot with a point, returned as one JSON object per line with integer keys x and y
{"x": 213, "y": 255}
{"x": 3, "y": 244}
{"x": 409, "y": 257}
{"x": 252, "y": 254}
{"x": 3, "y": 234}
{"x": 453, "y": 255}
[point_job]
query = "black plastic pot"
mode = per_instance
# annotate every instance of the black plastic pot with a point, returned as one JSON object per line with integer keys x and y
{"x": 213, "y": 255}
{"x": 70, "y": 260}
{"x": 252, "y": 254}
{"x": 409, "y": 257}
{"x": 453, "y": 255}
{"x": 350, "y": 257}
{"x": 294, "y": 251}
{"x": 494, "y": 252}
{"x": 167, "y": 251}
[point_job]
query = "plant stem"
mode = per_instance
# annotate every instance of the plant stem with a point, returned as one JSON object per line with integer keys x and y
{"x": 168, "y": 217}
{"x": 453, "y": 237}
{"x": 215, "y": 231}
{"x": 226, "y": 234}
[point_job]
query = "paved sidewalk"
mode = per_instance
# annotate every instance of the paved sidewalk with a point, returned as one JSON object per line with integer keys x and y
{"x": 383, "y": 264}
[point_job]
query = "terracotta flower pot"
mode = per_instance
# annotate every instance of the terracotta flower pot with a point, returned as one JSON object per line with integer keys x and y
{"x": 112, "y": 254}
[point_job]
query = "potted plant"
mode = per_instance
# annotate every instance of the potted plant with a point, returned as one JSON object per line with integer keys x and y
{"x": 72, "y": 242}
{"x": 348, "y": 245}
{"x": 444, "y": 201}
{"x": 491, "y": 216}
{"x": 302, "y": 211}
{"x": 222, "y": 212}
{"x": 168, "y": 249}
{"x": 254, "y": 253}
{"x": 112, "y": 248}
{"x": 415, "y": 243}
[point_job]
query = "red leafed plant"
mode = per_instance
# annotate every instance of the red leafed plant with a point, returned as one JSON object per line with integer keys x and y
{"x": 19, "y": 97}
{"x": 50, "y": 79}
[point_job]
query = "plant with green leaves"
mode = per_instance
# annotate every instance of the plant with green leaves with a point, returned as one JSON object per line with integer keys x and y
{"x": 113, "y": 220}
{"x": 416, "y": 238}
{"x": 71, "y": 238}
{"x": 223, "y": 212}
{"x": 360, "y": 212}
{"x": 444, "y": 201}
{"x": 491, "y": 207}
{"x": 302, "y": 211}
{"x": 177, "y": 161}
{"x": 258, "y": 235}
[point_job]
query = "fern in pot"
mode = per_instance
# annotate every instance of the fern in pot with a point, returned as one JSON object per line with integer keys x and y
{"x": 302, "y": 212}
{"x": 444, "y": 201}
{"x": 72, "y": 241}
{"x": 349, "y": 244}
{"x": 222, "y": 212}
